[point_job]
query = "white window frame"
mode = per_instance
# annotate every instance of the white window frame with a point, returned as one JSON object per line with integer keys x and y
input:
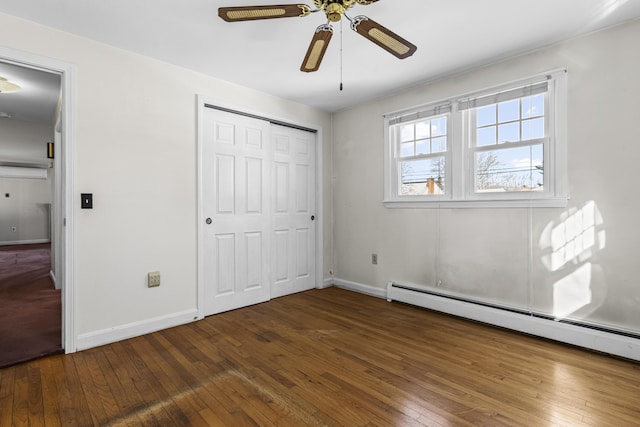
{"x": 431, "y": 112}
{"x": 459, "y": 157}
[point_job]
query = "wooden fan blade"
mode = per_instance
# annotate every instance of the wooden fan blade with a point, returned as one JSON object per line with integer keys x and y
{"x": 383, "y": 37}
{"x": 317, "y": 48}
{"x": 249, "y": 13}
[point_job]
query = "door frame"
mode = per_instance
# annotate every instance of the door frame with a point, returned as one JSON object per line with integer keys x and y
{"x": 202, "y": 103}
{"x": 64, "y": 191}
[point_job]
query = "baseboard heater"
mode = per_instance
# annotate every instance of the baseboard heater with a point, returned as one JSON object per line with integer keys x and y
{"x": 613, "y": 341}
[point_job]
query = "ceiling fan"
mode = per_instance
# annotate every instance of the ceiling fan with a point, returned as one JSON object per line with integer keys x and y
{"x": 334, "y": 10}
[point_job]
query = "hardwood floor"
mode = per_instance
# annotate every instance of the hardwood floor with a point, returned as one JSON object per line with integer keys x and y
{"x": 325, "y": 357}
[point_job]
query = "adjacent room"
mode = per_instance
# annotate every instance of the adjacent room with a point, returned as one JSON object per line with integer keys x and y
{"x": 30, "y": 302}
{"x": 347, "y": 212}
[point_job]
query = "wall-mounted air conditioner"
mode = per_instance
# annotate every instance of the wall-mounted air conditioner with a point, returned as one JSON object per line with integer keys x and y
{"x": 23, "y": 172}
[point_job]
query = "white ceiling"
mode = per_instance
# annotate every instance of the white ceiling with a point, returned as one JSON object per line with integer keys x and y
{"x": 38, "y": 97}
{"x": 451, "y": 35}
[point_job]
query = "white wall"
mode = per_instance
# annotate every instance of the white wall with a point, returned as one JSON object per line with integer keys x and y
{"x": 504, "y": 255}
{"x": 136, "y": 152}
{"x": 26, "y": 208}
{"x": 24, "y": 141}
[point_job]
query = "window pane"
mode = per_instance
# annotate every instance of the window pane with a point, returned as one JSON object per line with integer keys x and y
{"x": 509, "y": 132}
{"x": 533, "y": 106}
{"x": 438, "y": 145}
{"x": 424, "y": 176}
{"x": 406, "y": 149}
{"x": 422, "y": 147}
{"x": 486, "y": 136}
{"x": 509, "y": 111}
{"x": 532, "y": 129}
{"x": 510, "y": 169}
{"x": 423, "y": 129}
{"x": 439, "y": 127}
{"x": 406, "y": 133}
{"x": 486, "y": 115}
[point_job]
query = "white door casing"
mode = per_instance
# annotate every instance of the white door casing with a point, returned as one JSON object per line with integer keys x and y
{"x": 65, "y": 189}
{"x": 294, "y": 216}
{"x": 236, "y": 203}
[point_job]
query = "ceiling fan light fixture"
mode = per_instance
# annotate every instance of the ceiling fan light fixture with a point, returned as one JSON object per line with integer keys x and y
{"x": 317, "y": 49}
{"x": 334, "y": 12}
{"x": 7, "y": 87}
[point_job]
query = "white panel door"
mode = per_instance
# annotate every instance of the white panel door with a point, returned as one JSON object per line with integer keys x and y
{"x": 294, "y": 200}
{"x": 235, "y": 199}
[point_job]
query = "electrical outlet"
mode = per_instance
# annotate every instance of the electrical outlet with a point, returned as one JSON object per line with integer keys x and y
{"x": 374, "y": 258}
{"x": 153, "y": 279}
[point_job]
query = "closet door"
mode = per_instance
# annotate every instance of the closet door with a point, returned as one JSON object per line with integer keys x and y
{"x": 237, "y": 213}
{"x": 294, "y": 216}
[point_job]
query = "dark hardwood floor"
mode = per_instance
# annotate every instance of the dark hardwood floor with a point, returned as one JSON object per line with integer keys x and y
{"x": 325, "y": 357}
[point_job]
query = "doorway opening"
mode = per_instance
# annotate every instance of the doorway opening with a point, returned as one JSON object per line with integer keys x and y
{"x": 37, "y": 170}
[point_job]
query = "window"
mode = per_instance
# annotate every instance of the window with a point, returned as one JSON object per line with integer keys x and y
{"x": 502, "y": 146}
{"x": 422, "y": 147}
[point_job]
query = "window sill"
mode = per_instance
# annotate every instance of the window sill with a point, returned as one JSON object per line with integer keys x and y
{"x": 560, "y": 202}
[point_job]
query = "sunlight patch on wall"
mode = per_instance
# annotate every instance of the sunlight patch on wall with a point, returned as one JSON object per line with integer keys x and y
{"x": 570, "y": 245}
{"x": 572, "y": 292}
{"x": 573, "y": 239}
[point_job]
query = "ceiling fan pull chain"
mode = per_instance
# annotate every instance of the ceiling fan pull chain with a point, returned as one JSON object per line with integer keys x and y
{"x": 341, "y": 56}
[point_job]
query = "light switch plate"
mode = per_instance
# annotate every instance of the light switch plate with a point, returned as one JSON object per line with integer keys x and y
{"x": 86, "y": 201}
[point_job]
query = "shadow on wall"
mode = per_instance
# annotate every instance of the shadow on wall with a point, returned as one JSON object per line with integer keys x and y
{"x": 570, "y": 246}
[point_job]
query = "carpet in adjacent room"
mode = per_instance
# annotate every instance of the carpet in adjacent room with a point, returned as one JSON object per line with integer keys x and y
{"x": 30, "y": 306}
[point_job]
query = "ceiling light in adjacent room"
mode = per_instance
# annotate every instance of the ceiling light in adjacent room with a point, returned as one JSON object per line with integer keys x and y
{"x": 6, "y": 86}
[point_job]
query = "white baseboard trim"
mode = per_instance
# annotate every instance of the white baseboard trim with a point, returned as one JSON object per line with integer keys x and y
{"x": 326, "y": 283}
{"x": 360, "y": 287}
{"x": 605, "y": 342}
{"x": 135, "y": 329}
{"x": 53, "y": 279}
{"x": 24, "y": 242}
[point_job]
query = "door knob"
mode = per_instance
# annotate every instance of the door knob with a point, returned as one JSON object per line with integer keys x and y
{"x": 208, "y": 221}
{"x": 313, "y": 217}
